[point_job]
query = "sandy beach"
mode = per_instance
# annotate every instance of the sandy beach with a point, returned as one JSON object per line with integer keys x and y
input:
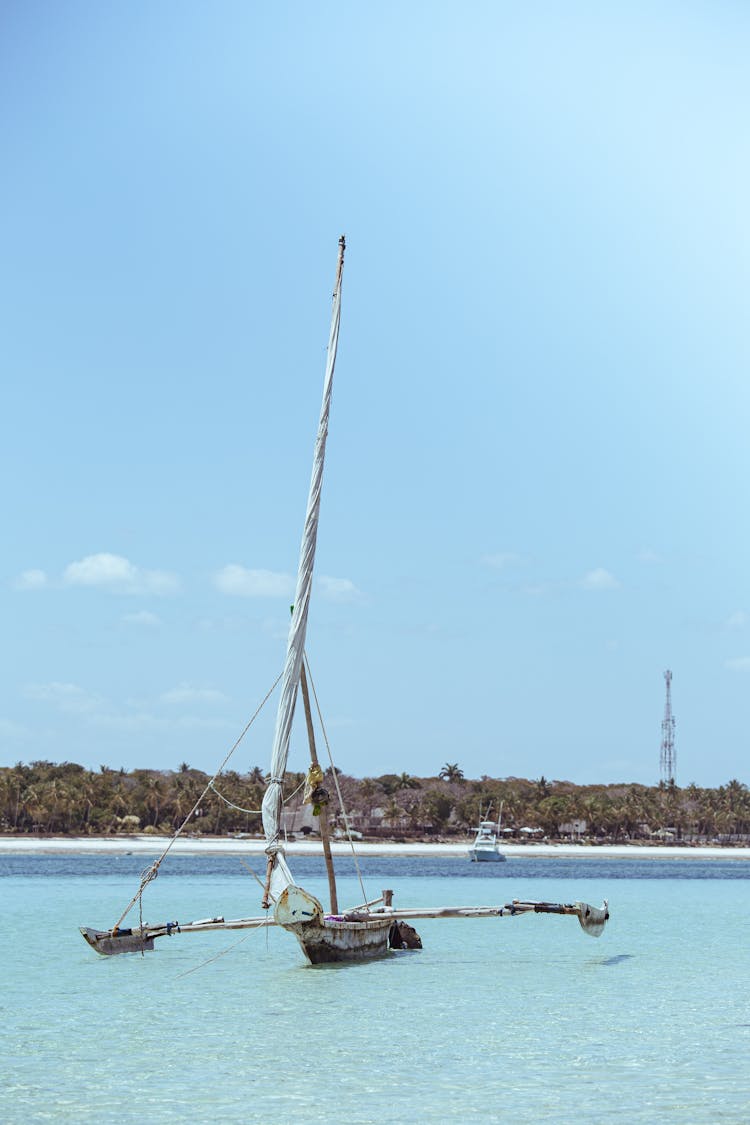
{"x": 123, "y": 845}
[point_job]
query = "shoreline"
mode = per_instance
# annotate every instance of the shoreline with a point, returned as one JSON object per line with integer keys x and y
{"x": 129, "y": 845}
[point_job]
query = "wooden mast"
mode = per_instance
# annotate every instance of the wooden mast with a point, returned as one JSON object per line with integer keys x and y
{"x": 323, "y": 815}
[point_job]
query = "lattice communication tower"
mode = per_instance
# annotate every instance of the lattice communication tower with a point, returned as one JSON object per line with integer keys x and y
{"x": 667, "y": 759}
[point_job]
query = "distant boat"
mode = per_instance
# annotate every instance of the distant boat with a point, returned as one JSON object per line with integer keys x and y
{"x": 486, "y": 848}
{"x": 372, "y": 928}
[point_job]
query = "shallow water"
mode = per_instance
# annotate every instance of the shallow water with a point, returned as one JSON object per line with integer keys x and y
{"x": 512, "y": 1019}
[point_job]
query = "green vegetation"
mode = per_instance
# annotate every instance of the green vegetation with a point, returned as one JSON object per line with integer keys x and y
{"x": 67, "y": 799}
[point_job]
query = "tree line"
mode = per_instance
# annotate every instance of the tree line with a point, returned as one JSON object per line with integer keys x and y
{"x": 66, "y": 799}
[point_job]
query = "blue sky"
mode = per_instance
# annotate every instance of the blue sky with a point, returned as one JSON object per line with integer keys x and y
{"x": 535, "y": 494}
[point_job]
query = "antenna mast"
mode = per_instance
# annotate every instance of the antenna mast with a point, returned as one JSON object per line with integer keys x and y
{"x": 667, "y": 756}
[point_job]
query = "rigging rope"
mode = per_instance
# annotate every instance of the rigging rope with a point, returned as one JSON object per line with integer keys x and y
{"x": 229, "y": 804}
{"x": 254, "y": 874}
{"x": 250, "y": 812}
{"x": 152, "y": 871}
{"x": 335, "y": 779}
{"x": 210, "y": 960}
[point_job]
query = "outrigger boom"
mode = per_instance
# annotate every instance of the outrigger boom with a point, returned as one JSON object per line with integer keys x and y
{"x": 141, "y": 939}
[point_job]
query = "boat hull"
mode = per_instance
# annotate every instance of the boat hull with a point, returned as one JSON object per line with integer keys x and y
{"x": 485, "y": 848}
{"x": 476, "y": 855}
{"x": 334, "y": 941}
{"x": 326, "y": 939}
{"x": 123, "y": 941}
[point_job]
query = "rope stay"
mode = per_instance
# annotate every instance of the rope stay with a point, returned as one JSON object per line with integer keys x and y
{"x": 211, "y": 960}
{"x": 336, "y": 780}
{"x": 151, "y": 872}
{"x": 230, "y": 804}
{"x": 249, "y": 812}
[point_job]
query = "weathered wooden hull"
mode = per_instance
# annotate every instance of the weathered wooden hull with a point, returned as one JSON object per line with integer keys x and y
{"x": 328, "y": 939}
{"x": 127, "y": 941}
{"x": 332, "y": 940}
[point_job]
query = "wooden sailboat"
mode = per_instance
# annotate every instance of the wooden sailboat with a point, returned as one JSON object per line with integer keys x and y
{"x": 322, "y": 937}
{"x": 369, "y": 930}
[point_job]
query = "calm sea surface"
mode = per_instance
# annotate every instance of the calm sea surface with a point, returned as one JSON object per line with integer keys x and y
{"x": 511, "y": 1019}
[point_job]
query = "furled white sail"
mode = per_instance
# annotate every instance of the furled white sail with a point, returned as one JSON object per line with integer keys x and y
{"x": 272, "y": 801}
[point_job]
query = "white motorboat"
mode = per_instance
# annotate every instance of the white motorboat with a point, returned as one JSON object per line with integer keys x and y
{"x": 486, "y": 848}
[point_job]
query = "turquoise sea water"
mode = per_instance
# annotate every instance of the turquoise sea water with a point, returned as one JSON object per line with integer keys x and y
{"x": 512, "y": 1019}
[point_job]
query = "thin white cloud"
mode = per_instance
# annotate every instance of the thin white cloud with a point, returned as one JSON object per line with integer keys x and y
{"x": 338, "y": 589}
{"x": 13, "y": 730}
{"x": 144, "y": 722}
{"x": 342, "y": 722}
{"x": 118, "y": 574}
{"x": 238, "y": 581}
{"x": 31, "y": 580}
{"x": 142, "y": 619}
{"x": 501, "y": 559}
{"x": 133, "y": 717}
{"x": 194, "y": 722}
{"x": 243, "y": 582}
{"x": 186, "y": 693}
{"x": 737, "y": 620}
{"x": 94, "y": 711}
{"x": 738, "y": 664}
{"x": 599, "y": 579}
{"x": 647, "y": 555}
{"x": 275, "y": 627}
{"x": 70, "y": 698}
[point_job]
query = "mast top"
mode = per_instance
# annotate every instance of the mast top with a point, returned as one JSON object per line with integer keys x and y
{"x": 340, "y": 263}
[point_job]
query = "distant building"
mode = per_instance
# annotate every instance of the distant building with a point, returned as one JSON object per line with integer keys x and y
{"x": 573, "y": 828}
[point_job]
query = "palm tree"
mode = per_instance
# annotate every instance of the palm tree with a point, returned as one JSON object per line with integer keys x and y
{"x": 437, "y": 808}
{"x": 542, "y": 787}
{"x": 35, "y": 808}
{"x": 154, "y": 797}
{"x": 11, "y": 789}
{"x": 552, "y": 812}
{"x": 368, "y": 787}
{"x": 406, "y": 781}
{"x": 394, "y": 814}
{"x": 451, "y": 772}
